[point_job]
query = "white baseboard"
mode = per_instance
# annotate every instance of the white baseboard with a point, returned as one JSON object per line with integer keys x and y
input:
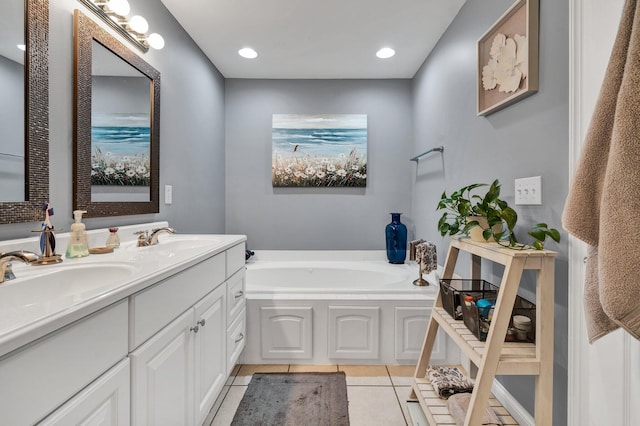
{"x": 514, "y": 408}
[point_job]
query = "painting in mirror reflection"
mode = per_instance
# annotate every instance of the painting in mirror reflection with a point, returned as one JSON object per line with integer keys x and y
{"x": 120, "y": 130}
{"x": 12, "y": 102}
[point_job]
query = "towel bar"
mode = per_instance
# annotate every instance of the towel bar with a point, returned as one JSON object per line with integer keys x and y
{"x": 436, "y": 149}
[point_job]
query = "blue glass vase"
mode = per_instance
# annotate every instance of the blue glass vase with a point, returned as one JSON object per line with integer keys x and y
{"x": 396, "y": 234}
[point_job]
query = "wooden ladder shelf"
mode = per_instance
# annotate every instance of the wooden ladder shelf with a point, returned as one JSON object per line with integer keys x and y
{"x": 495, "y": 356}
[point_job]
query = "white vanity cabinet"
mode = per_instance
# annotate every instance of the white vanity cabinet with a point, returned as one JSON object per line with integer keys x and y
{"x": 178, "y": 373}
{"x": 152, "y": 352}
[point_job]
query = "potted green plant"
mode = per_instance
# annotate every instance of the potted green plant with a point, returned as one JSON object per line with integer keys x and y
{"x": 465, "y": 210}
{"x": 486, "y": 217}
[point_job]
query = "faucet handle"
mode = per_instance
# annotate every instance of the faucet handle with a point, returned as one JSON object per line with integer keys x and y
{"x": 143, "y": 238}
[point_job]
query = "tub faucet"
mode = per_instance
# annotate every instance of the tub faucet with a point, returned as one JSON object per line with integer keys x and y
{"x": 145, "y": 239}
{"x": 6, "y": 273}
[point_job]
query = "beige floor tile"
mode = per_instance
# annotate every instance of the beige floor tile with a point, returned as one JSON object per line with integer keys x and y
{"x": 216, "y": 405}
{"x": 366, "y": 375}
{"x": 373, "y": 406}
{"x": 401, "y": 375}
{"x": 233, "y": 374}
{"x": 402, "y": 392}
{"x": 247, "y": 370}
{"x": 229, "y": 406}
{"x": 312, "y": 368}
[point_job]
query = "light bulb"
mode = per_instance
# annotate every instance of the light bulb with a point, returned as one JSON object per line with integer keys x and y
{"x": 247, "y": 52}
{"x": 156, "y": 41}
{"x": 385, "y": 53}
{"x": 139, "y": 24}
{"x": 119, "y": 7}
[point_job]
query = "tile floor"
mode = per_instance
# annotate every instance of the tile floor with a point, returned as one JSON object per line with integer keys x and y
{"x": 377, "y": 393}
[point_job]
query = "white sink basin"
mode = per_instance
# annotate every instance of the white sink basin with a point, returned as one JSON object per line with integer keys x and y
{"x": 171, "y": 245}
{"x": 39, "y": 291}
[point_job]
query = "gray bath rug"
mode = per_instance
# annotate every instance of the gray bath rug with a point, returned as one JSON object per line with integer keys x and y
{"x": 287, "y": 399}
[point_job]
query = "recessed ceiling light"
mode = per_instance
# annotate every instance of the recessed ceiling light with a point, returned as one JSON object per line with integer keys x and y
{"x": 385, "y": 52}
{"x": 22, "y": 47}
{"x": 247, "y": 52}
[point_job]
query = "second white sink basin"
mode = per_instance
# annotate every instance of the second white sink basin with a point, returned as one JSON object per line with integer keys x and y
{"x": 171, "y": 245}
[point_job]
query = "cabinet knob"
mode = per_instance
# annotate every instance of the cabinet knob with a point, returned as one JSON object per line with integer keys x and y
{"x": 202, "y": 322}
{"x": 238, "y": 294}
{"x": 240, "y": 337}
{"x": 195, "y": 329}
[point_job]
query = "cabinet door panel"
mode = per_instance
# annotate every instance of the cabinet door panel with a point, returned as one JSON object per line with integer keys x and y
{"x": 286, "y": 332}
{"x": 162, "y": 383}
{"x": 354, "y": 332}
{"x": 103, "y": 403}
{"x": 410, "y": 327}
{"x": 210, "y": 351}
{"x": 236, "y": 295}
{"x": 236, "y": 340}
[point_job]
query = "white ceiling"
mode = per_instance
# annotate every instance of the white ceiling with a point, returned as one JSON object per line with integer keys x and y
{"x": 298, "y": 39}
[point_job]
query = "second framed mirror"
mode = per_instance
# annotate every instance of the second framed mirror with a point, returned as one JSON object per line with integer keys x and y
{"x": 116, "y": 126}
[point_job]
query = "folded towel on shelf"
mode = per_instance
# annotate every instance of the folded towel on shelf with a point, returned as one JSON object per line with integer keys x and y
{"x": 601, "y": 207}
{"x": 447, "y": 381}
{"x": 459, "y": 404}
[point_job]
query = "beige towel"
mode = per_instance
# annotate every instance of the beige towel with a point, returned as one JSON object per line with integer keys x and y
{"x": 603, "y": 204}
{"x": 459, "y": 404}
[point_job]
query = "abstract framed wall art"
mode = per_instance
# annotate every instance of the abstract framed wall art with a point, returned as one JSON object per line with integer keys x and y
{"x": 319, "y": 150}
{"x": 508, "y": 58}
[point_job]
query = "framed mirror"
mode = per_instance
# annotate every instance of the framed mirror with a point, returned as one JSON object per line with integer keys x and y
{"x": 24, "y": 110}
{"x": 116, "y": 126}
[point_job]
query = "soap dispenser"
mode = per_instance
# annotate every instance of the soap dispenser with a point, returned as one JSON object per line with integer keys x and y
{"x": 78, "y": 242}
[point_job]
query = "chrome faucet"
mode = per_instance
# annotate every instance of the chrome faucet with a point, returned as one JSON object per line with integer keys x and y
{"x": 6, "y": 273}
{"x": 145, "y": 239}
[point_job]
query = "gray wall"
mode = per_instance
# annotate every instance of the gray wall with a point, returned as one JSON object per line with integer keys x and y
{"x": 119, "y": 94}
{"x": 191, "y": 130}
{"x": 528, "y": 138}
{"x": 11, "y": 132}
{"x": 316, "y": 218}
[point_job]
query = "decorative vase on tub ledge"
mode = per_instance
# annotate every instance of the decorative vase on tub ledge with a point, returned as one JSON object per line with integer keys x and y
{"x": 396, "y": 235}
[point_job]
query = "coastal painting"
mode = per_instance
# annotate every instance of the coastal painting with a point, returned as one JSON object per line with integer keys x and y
{"x": 319, "y": 150}
{"x": 120, "y": 149}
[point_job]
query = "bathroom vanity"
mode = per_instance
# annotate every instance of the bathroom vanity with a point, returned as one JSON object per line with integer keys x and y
{"x": 151, "y": 344}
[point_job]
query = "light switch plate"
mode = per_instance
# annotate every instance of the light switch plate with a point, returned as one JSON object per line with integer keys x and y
{"x": 168, "y": 194}
{"x": 528, "y": 191}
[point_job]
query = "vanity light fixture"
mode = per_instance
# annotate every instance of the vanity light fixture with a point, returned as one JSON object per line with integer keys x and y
{"x": 134, "y": 29}
{"x": 385, "y": 53}
{"x": 247, "y": 52}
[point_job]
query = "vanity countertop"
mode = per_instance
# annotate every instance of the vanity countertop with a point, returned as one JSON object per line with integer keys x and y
{"x": 42, "y": 299}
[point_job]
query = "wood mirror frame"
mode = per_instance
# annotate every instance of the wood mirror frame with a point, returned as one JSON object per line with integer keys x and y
{"x": 36, "y": 118}
{"x": 85, "y": 32}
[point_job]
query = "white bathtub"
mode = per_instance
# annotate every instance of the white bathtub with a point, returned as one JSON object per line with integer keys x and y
{"x": 335, "y": 279}
{"x": 320, "y": 307}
